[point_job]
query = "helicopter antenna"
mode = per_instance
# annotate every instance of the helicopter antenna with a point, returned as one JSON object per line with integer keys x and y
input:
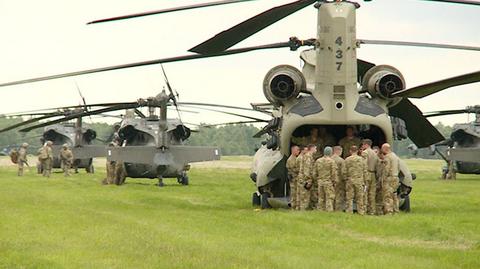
{"x": 172, "y": 95}
{"x": 83, "y": 100}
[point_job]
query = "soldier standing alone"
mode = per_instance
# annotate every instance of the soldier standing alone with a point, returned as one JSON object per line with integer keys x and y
{"x": 293, "y": 168}
{"x": 66, "y": 158}
{"x": 370, "y": 181}
{"x": 356, "y": 172}
{"x": 326, "y": 174}
{"x": 22, "y": 158}
{"x": 340, "y": 180}
{"x": 306, "y": 178}
{"x": 46, "y": 158}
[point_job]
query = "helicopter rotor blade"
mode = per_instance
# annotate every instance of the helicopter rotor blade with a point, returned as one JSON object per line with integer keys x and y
{"x": 168, "y": 10}
{"x": 417, "y": 44}
{"x": 239, "y": 32}
{"x": 420, "y": 130}
{"x": 431, "y": 88}
{"x": 228, "y": 113}
{"x": 466, "y": 2}
{"x": 229, "y": 123}
{"x": 217, "y": 105}
{"x": 444, "y": 113}
{"x": 293, "y": 44}
{"x": 77, "y": 115}
{"x": 51, "y": 115}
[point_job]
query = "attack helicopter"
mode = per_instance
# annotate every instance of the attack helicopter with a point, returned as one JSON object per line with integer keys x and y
{"x": 325, "y": 93}
{"x": 463, "y": 145}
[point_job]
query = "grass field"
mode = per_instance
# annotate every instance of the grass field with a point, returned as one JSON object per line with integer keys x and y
{"x": 78, "y": 223}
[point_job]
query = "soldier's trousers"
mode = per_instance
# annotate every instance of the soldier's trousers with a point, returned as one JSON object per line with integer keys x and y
{"x": 379, "y": 198}
{"x": 390, "y": 195}
{"x": 293, "y": 193}
{"x": 326, "y": 196}
{"x": 47, "y": 167}
{"x": 340, "y": 190}
{"x": 20, "y": 168}
{"x": 303, "y": 195}
{"x": 314, "y": 195}
{"x": 66, "y": 168}
{"x": 354, "y": 193}
{"x": 371, "y": 184}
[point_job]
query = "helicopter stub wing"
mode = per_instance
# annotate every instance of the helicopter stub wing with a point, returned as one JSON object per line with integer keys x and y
{"x": 170, "y": 156}
{"x": 83, "y": 152}
{"x": 464, "y": 154}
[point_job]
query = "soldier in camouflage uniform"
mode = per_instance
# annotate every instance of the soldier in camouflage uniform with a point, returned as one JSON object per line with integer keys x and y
{"x": 293, "y": 168}
{"x": 22, "y": 158}
{"x": 326, "y": 175}
{"x": 340, "y": 181}
{"x": 391, "y": 181}
{"x": 356, "y": 172}
{"x": 299, "y": 161}
{"x": 371, "y": 181}
{"x": 305, "y": 181}
{"x": 348, "y": 141}
{"x": 46, "y": 158}
{"x": 66, "y": 159}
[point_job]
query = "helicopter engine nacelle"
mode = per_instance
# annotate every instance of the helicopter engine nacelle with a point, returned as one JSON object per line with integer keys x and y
{"x": 282, "y": 83}
{"x": 383, "y": 81}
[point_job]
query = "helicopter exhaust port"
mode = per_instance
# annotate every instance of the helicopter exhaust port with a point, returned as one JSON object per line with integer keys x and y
{"x": 383, "y": 81}
{"x": 282, "y": 83}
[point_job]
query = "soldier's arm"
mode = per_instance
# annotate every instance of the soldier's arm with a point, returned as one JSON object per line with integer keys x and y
{"x": 334, "y": 173}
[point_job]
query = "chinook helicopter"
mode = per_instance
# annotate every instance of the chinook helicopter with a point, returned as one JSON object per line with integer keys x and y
{"x": 463, "y": 143}
{"x": 325, "y": 92}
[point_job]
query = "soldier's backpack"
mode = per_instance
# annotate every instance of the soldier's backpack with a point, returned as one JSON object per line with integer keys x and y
{"x": 14, "y": 156}
{"x": 43, "y": 154}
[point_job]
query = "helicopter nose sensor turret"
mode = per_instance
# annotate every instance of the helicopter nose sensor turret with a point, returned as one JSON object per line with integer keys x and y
{"x": 383, "y": 81}
{"x": 282, "y": 83}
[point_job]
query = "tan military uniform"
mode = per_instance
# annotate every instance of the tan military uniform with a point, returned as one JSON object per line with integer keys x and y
{"x": 66, "y": 159}
{"x": 298, "y": 186}
{"x": 390, "y": 183}
{"x": 356, "y": 172}
{"x": 293, "y": 170}
{"x": 22, "y": 160}
{"x": 379, "y": 185}
{"x": 305, "y": 178}
{"x": 340, "y": 183}
{"x": 371, "y": 181}
{"x": 46, "y": 159}
{"x": 346, "y": 143}
{"x": 326, "y": 175}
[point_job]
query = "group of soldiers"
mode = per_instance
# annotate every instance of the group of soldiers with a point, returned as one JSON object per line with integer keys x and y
{"x": 352, "y": 173}
{"x": 45, "y": 159}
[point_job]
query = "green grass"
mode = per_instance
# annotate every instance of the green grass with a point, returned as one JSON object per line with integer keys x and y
{"x": 78, "y": 223}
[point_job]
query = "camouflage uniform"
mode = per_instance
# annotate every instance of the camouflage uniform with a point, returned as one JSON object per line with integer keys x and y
{"x": 390, "y": 183}
{"x": 306, "y": 173}
{"x": 356, "y": 172}
{"x": 298, "y": 186}
{"x": 22, "y": 158}
{"x": 340, "y": 183}
{"x": 293, "y": 170}
{"x": 346, "y": 143}
{"x": 46, "y": 159}
{"x": 379, "y": 185}
{"x": 371, "y": 181}
{"x": 66, "y": 158}
{"x": 326, "y": 175}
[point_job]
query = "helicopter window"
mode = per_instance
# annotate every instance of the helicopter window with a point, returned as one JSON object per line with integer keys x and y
{"x": 330, "y": 135}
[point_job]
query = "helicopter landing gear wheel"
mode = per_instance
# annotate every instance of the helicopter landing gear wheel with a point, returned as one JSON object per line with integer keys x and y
{"x": 90, "y": 169}
{"x": 264, "y": 200}
{"x": 183, "y": 179}
{"x": 405, "y": 207}
{"x": 160, "y": 182}
{"x": 256, "y": 199}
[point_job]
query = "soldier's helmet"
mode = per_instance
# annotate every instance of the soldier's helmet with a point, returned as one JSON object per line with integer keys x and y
{"x": 65, "y": 146}
{"x": 24, "y": 145}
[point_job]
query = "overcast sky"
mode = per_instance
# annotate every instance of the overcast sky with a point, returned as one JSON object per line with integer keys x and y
{"x": 51, "y": 36}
